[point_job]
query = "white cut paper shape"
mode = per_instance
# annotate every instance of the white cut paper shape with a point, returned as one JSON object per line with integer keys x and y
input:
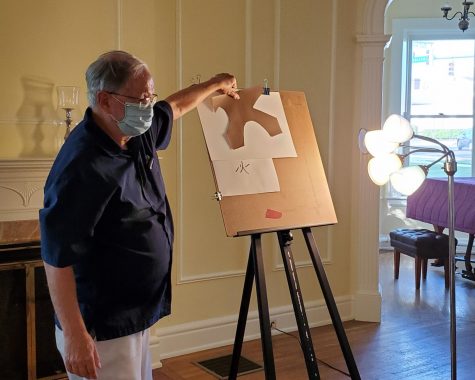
{"x": 241, "y": 177}
{"x": 257, "y": 142}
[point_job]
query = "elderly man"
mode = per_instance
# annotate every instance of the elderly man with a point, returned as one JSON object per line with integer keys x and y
{"x": 106, "y": 225}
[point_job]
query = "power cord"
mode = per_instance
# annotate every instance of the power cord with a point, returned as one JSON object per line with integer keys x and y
{"x": 318, "y": 360}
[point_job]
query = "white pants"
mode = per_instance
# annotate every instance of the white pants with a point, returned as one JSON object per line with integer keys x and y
{"x": 125, "y": 358}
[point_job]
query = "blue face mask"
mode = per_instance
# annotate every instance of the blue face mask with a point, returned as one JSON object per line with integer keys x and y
{"x": 137, "y": 119}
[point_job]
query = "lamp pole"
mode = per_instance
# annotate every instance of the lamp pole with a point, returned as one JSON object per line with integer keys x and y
{"x": 396, "y": 133}
{"x": 450, "y": 169}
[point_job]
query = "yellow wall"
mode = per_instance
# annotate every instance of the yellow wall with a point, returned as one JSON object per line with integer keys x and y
{"x": 297, "y": 45}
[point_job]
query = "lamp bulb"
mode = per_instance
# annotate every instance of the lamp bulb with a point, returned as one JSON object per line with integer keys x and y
{"x": 377, "y": 143}
{"x": 398, "y": 129}
{"x": 408, "y": 179}
{"x": 381, "y": 167}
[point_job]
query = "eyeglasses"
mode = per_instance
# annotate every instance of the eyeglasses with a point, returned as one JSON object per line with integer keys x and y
{"x": 143, "y": 102}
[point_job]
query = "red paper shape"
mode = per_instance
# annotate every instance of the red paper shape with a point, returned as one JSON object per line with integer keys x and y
{"x": 273, "y": 214}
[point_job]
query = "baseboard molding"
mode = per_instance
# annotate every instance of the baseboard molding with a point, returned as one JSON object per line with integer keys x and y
{"x": 155, "y": 351}
{"x": 367, "y": 306}
{"x": 217, "y": 332}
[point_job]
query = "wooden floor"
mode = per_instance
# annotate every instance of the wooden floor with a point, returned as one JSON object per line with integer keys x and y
{"x": 411, "y": 342}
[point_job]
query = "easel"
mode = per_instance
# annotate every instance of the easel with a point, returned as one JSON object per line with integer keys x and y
{"x": 304, "y": 192}
{"x": 255, "y": 269}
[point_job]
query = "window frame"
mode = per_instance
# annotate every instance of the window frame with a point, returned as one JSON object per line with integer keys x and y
{"x": 397, "y": 74}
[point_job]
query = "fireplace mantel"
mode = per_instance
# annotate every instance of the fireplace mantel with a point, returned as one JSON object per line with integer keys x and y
{"x": 21, "y": 187}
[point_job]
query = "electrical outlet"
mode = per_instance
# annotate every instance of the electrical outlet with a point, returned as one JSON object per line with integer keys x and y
{"x": 273, "y": 324}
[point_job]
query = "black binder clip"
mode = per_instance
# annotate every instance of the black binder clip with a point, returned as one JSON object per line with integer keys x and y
{"x": 196, "y": 79}
{"x": 218, "y": 196}
{"x": 266, "y": 89}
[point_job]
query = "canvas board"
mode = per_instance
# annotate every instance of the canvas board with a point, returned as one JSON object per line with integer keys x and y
{"x": 303, "y": 199}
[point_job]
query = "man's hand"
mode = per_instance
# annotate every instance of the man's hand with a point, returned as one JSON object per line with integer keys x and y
{"x": 80, "y": 355}
{"x": 185, "y": 100}
{"x": 227, "y": 84}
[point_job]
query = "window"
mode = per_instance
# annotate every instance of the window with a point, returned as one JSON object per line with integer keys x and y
{"x": 439, "y": 98}
{"x": 428, "y": 78}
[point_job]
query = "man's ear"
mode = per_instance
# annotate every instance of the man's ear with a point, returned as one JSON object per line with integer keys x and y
{"x": 103, "y": 100}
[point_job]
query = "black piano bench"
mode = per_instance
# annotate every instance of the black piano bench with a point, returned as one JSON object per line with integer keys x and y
{"x": 421, "y": 244}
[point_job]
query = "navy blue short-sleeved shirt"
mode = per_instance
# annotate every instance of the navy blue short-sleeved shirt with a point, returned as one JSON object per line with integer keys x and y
{"x": 106, "y": 214}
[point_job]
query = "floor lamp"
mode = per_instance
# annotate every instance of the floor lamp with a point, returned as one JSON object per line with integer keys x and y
{"x": 386, "y": 165}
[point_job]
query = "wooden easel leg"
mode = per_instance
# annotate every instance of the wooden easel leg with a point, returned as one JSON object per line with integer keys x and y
{"x": 330, "y": 301}
{"x": 263, "y": 306}
{"x": 299, "y": 309}
{"x": 243, "y": 312}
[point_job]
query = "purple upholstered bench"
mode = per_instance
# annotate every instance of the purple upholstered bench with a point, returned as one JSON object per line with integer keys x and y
{"x": 421, "y": 244}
